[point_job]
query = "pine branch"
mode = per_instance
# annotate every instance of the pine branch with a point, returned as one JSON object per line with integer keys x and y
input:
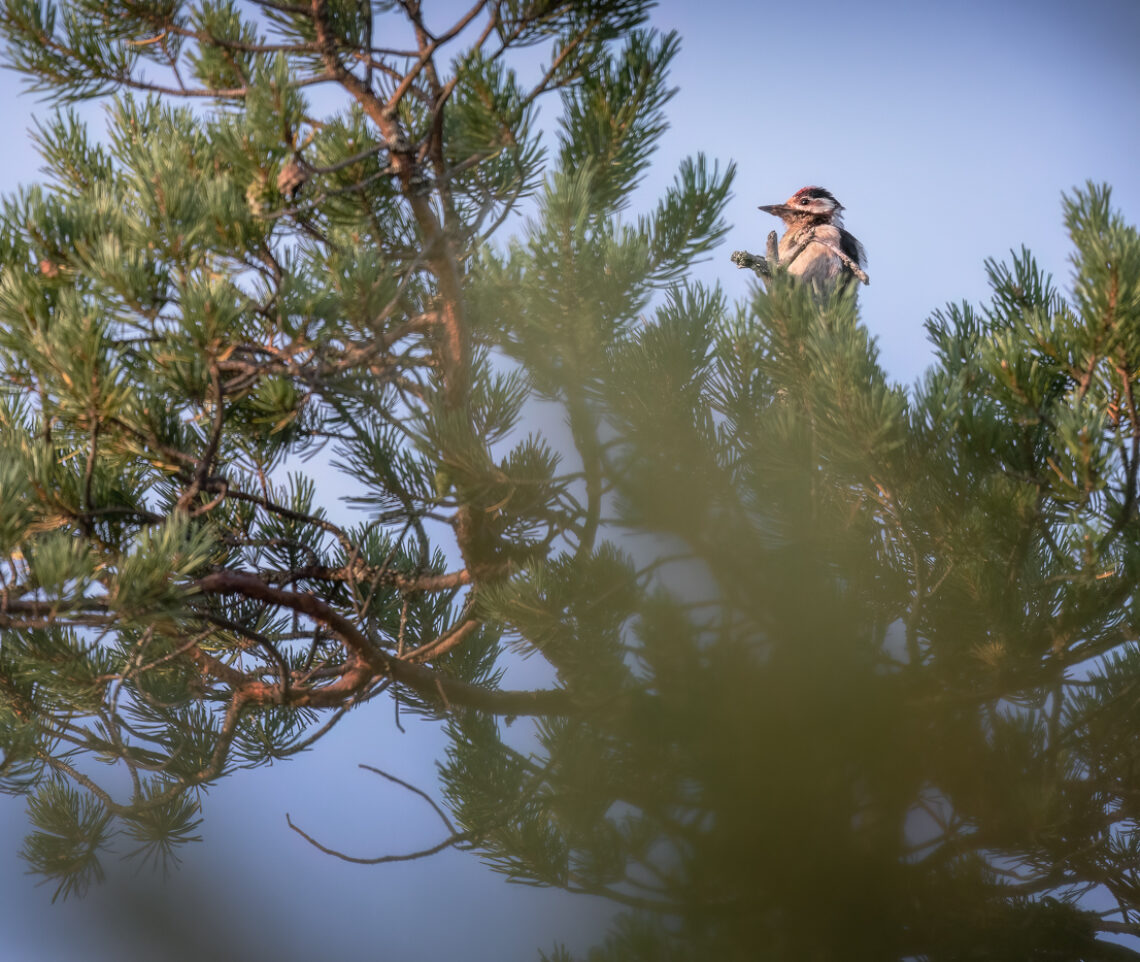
{"x": 433, "y": 686}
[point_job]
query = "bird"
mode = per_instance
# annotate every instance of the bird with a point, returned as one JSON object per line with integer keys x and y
{"x": 816, "y": 247}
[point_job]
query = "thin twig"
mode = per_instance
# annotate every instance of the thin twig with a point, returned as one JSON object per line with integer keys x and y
{"x": 412, "y": 788}
{"x": 455, "y": 839}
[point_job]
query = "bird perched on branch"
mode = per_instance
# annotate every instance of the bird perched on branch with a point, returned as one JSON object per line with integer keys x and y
{"x": 815, "y": 246}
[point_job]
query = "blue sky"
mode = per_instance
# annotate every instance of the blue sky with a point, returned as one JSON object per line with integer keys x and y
{"x": 948, "y": 130}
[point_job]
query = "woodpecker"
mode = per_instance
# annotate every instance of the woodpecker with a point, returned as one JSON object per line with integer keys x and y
{"x": 815, "y": 246}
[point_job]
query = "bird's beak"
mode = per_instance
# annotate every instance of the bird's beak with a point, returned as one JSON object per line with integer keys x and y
{"x": 776, "y": 210}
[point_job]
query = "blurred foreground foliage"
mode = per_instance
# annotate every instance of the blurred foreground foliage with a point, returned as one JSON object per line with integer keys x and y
{"x": 839, "y": 670}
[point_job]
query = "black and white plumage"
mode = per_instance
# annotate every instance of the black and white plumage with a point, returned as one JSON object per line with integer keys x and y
{"x": 814, "y": 216}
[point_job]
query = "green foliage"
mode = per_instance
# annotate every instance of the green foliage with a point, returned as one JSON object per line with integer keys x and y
{"x": 492, "y": 117}
{"x": 840, "y": 669}
{"x": 614, "y": 116}
{"x": 161, "y": 822}
{"x": 874, "y": 675}
{"x": 70, "y": 829}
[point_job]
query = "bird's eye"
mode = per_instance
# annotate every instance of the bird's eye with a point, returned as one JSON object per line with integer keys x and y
{"x": 803, "y": 200}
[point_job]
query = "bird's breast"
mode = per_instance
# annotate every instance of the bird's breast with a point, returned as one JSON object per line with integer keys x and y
{"x": 819, "y": 260}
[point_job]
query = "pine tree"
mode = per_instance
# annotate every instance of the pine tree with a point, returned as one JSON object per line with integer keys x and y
{"x": 842, "y": 670}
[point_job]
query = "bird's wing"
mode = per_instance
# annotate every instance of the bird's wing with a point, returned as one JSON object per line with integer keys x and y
{"x": 852, "y": 248}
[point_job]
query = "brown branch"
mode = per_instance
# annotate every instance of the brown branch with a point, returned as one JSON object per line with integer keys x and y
{"x": 412, "y": 788}
{"x": 434, "y": 686}
{"x": 360, "y": 572}
{"x": 279, "y": 509}
{"x": 1134, "y": 461}
{"x": 220, "y": 93}
{"x": 437, "y": 246}
{"x": 428, "y": 47}
{"x": 217, "y": 668}
{"x": 266, "y": 645}
{"x": 202, "y": 466}
{"x": 556, "y": 64}
{"x": 444, "y": 643}
{"x": 455, "y": 839}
